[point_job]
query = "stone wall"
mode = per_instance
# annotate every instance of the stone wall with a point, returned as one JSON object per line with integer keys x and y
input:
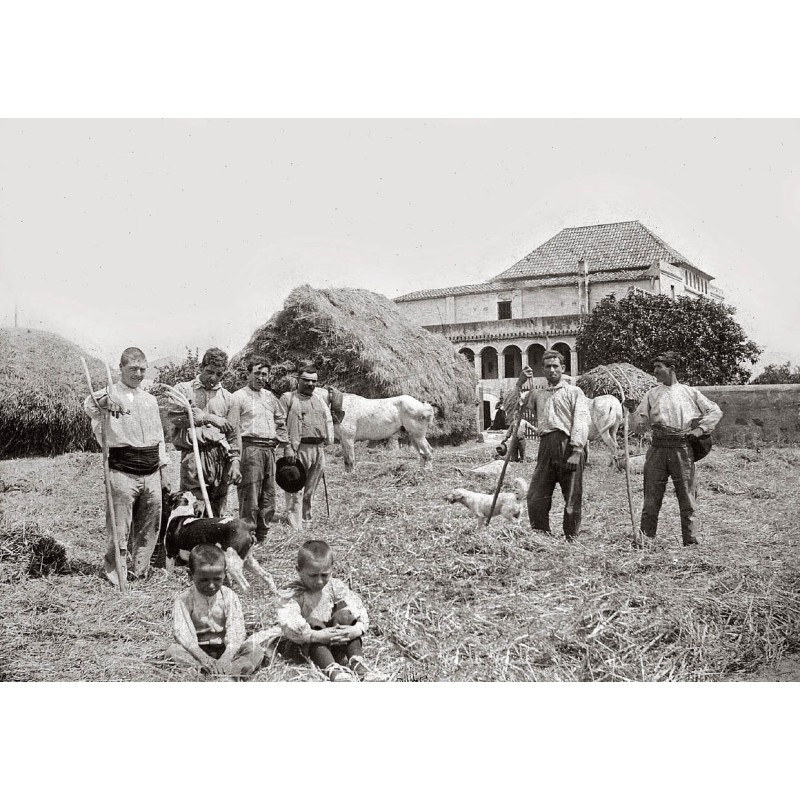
{"x": 753, "y": 415}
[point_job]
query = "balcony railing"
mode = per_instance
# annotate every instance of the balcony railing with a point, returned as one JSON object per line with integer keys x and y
{"x": 508, "y": 328}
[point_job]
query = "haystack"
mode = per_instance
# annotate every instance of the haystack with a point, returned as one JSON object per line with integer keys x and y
{"x": 635, "y": 383}
{"x": 41, "y": 407}
{"x": 362, "y": 344}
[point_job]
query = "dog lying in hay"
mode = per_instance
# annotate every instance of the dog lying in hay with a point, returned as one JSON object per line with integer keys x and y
{"x": 235, "y": 537}
{"x": 509, "y": 504}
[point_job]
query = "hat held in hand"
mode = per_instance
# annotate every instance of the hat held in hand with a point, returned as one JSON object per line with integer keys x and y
{"x": 290, "y": 477}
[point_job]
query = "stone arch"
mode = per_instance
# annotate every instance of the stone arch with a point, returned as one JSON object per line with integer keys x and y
{"x": 565, "y": 351}
{"x": 535, "y": 353}
{"x": 469, "y": 354}
{"x": 512, "y": 358}
{"x": 489, "y": 363}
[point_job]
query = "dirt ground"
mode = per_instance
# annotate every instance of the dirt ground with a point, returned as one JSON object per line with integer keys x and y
{"x": 448, "y": 601}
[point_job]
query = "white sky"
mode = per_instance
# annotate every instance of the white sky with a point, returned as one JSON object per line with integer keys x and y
{"x": 166, "y": 234}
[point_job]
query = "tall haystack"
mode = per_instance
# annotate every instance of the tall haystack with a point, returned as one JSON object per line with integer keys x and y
{"x": 362, "y": 344}
{"x": 41, "y": 403}
{"x": 635, "y": 383}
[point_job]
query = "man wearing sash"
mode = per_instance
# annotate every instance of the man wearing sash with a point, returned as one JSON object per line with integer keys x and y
{"x": 677, "y": 414}
{"x": 137, "y": 461}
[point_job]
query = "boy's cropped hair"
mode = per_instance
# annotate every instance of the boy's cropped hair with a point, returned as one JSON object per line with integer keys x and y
{"x": 554, "y": 354}
{"x": 313, "y": 550}
{"x": 131, "y": 354}
{"x": 256, "y": 361}
{"x": 205, "y": 554}
{"x": 214, "y": 357}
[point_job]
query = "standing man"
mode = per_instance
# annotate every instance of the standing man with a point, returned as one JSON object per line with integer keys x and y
{"x": 676, "y": 413}
{"x": 262, "y": 423}
{"x": 137, "y": 461}
{"x": 310, "y": 428}
{"x": 561, "y": 415}
{"x": 217, "y": 432}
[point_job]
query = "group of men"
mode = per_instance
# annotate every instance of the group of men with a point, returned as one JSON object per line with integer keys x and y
{"x": 677, "y": 414}
{"x": 237, "y": 434}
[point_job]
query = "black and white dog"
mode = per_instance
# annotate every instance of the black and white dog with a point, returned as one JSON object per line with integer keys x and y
{"x": 235, "y": 537}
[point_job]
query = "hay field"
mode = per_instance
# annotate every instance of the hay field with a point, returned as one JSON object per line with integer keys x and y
{"x": 448, "y": 603}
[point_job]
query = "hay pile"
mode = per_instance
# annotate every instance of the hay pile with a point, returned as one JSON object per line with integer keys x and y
{"x": 43, "y": 391}
{"x": 362, "y": 344}
{"x": 634, "y": 382}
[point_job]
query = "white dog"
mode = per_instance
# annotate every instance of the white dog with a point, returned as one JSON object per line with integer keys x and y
{"x": 509, "y": 504}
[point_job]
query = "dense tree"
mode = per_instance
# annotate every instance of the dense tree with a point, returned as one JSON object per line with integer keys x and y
{"x": 174, "y": 373}
{"x": 779, "y": 373}
{"x": 639, "y": 326}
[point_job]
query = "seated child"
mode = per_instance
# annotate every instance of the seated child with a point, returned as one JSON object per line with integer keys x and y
{"x": 208, "y": 623}
{"x": 325, "y": 617}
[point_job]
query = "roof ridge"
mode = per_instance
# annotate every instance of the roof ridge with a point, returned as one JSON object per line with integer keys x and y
{"x": 602, "y": 225}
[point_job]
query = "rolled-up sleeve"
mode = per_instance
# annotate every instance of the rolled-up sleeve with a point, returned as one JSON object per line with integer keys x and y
{"x": 712, "y": 413}
{"x": 579, "y": 434}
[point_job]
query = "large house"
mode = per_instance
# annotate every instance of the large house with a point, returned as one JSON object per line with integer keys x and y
{"x": 538, "y": 303}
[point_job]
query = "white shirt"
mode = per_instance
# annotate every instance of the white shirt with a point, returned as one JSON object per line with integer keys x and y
{"x": 677, "y": 406}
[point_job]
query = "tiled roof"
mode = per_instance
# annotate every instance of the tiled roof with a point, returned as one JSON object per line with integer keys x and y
{"x": 495, "y": 286}
{"x": 620, "y": 245}
{"x": 474, "y": 288}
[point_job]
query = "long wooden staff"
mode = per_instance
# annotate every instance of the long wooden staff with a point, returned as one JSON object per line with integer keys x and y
{"x": 183, "y": 401}
{"x": 634, "y": 526}
{"x": 512, "y": 446}
{"x": 111, "y": 517}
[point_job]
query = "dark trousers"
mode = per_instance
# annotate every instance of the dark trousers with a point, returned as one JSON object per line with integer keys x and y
{"x": 554, "y": 450}
{"x": 662, "y": 463}
{"x": 257, "y": 489}
{"x": 518, "y": 451}
{"x": 323, "y": 656}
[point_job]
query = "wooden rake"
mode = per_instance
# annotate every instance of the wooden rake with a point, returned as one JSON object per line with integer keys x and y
{"x": 183, "y": 402}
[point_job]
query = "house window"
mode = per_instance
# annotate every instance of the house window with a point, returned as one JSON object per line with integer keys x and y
{"x": 504, "y": 309}
{"x": 672, "y": 290}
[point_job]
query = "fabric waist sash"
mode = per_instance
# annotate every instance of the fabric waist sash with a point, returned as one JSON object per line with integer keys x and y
{"x": 134, "y": 460}
{"x": 670, "y": 439}
{"x": 312, "y": 440}
{"x": 257, "y": 441}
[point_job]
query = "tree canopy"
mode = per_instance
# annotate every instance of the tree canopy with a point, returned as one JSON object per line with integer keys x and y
{"x": 639, "y": 326}
{"x": 779, "y": 373}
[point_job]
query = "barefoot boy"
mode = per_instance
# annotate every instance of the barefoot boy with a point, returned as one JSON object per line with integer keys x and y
{"x": 306, "y": 617}
{"x": 208, "y": 623}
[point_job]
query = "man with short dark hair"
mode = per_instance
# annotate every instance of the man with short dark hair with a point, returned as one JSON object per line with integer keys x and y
{"x": 217, "y": 432}
{"x": 310, "y": 428}
{"x": 137, "y": 461}
{"x": 262, "y": 424}
{"x": 561, "y": 414}
{"x": 677, "y": 414}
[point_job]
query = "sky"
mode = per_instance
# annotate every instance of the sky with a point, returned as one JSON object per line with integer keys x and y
{"x": 167, "y": 234}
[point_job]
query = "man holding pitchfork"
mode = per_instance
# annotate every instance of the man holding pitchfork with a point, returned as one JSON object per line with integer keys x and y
{"x": 217, "y": 431}
{"x": 137, "y": 461}
{"x": 561, "y": 412}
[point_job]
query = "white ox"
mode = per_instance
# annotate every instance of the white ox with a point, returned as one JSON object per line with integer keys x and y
{"x": 368, "y": 420}
{"x": 605, "y": 413}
